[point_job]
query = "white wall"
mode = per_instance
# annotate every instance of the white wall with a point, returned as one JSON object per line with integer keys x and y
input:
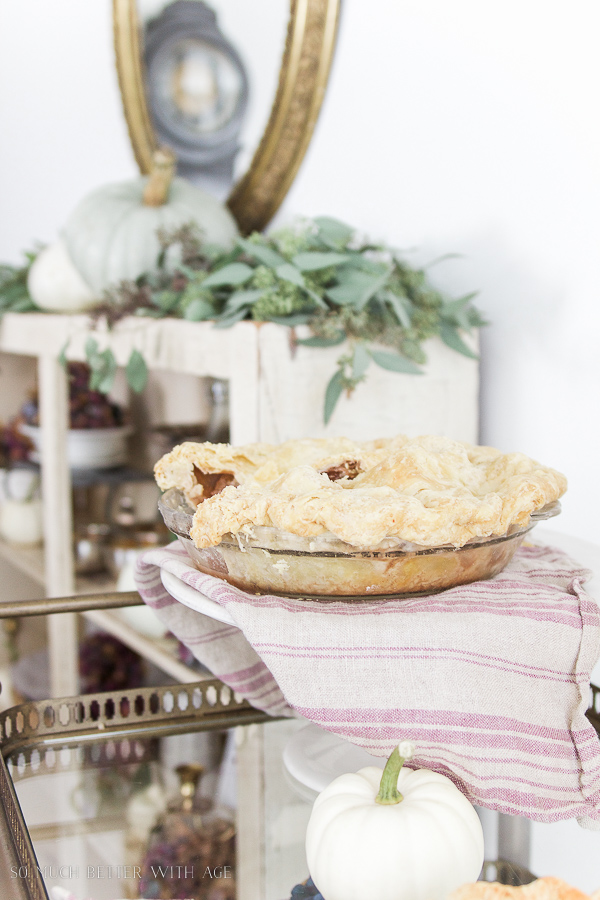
{"x": 63, "y": 128}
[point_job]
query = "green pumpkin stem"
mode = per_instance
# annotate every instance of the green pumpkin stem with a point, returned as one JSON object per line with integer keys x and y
{"x": 156, "y": 190}
{"x": 388, "y": 788}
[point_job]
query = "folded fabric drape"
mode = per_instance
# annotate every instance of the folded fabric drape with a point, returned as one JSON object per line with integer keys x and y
{"x": 491, "y": 680}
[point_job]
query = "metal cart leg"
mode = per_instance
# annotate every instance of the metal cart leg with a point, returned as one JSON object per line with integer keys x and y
{"x": 514, "y": 839}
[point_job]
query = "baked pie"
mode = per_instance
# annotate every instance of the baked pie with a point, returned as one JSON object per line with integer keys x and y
{"x": 540, "y": 889}
{"x": 427, "y": 490}
{"x": 382, "y": 500}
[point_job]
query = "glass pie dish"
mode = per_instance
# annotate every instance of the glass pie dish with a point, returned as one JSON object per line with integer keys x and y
{"x": 268, "y": 560}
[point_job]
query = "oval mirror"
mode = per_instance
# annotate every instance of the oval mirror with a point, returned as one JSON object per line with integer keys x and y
{"x": 188, "y": 79}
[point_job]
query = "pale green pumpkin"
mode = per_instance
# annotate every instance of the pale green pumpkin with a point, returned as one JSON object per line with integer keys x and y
{"x": 111, "y": 235}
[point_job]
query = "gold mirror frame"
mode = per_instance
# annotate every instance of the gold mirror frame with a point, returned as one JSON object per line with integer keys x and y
{"x": 303, "y": 76}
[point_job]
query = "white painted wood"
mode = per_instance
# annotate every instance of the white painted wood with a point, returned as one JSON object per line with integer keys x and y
{"x": 243, "y": 384}
{"x": 250, "y": 826}
{"x": 29, "y": 560}
{"x": 444, "y": 400}
{"x": 58, "y": 524}
{"x": 34, "y": 334}
{"x": 197, "y": 348}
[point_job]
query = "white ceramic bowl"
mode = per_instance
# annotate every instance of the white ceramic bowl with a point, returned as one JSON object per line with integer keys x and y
{"x": 87, "y": 448}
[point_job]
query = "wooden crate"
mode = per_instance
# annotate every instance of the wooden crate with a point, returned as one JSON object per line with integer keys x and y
{"x": 291, "y": 387}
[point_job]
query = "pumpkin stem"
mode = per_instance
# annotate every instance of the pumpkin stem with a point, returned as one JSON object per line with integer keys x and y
{"x": 388, "y": 789}
{"x": 156, "y": 191}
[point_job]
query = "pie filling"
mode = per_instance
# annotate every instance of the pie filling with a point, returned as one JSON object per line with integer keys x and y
{"x": 212, "y": 483}
{"x": 349, "y": 468}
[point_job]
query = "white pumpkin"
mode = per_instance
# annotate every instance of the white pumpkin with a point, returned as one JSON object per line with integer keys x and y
{"x": 111, "y": 235}
{"x": 55, "y": 284}
{"x": 401, "y": 835}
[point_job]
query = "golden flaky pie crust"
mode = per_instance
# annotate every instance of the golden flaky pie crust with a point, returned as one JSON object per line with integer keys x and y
{"x": 428, "y": 490}
{"x": 541, "y": 889}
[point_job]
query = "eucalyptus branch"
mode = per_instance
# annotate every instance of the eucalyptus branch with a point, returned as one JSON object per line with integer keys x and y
{"x": 317, "y": 273}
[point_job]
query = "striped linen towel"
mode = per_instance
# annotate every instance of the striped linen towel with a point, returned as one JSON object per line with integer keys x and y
{"x": 491, "y": 680}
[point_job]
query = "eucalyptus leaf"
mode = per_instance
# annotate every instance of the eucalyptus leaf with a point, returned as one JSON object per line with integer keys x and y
{"x": 355, "y": 288}
{"x": 358, "y": 261}
{"x": 228, "y": 321}
{"x": 394, "y": 362}
{"x": 452, "y": 339}
{"x": 190, "y": 274}
{"x": 160, "y": 260}
{"x": 136, "y": 372}
{"x": 333, "y": 341}
{"x": 95, "y": 357}
{"x": 12, "y": 294}
{"x": 333, "y": 393}
{"x": 313, "y": 261}
{"x": 97, "y": 362}
{"x": 194, "y": 289}
{"x": 462, "y": 320}
{"x": 217, "y": 258}
{"x": 443, "y": 258}
{"x": 288, "y": 272}
{"x": 242, "y": 298}
{"x": 229, "y": 276}
{"x": 333, "y": 232}
{"x": 399, "y": 306}
{"x": 317, "y": 300}
{"x": 7, "y": 273}
{"x": 476, "y": 319}
{"x": 413, "y": 350}
{"x": 265, "y": 255}
{"x": 462, "y": 301}
{"x": 26, "y": 304}
{"x": 104, "y": 369}
{"x": 199, "y": 310}
{"x": 149, "y": 313}
{"x": 292, "y": 320}
{"x": 166, "y": 300}
{"x": 360, "y": 361}
{"x": 107, "y": 380}
{"x": 62, "y": 356}
{"x": 457, "y": 311}
{"x": 458, "y": 319}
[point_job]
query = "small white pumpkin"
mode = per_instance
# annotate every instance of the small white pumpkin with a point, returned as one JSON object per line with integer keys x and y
{"x": 111, "y": 234}
{"x": 55, "y": 284}
{"x": 367, "y": 840}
